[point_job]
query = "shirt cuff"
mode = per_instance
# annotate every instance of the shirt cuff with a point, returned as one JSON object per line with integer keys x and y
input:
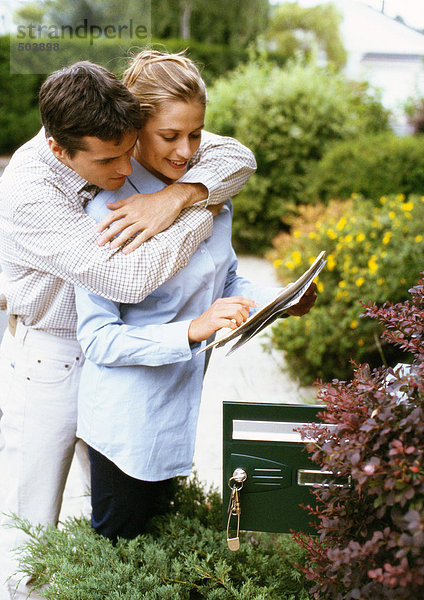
{"x": 177, "y": 342}
{"x": 210, "y": 180}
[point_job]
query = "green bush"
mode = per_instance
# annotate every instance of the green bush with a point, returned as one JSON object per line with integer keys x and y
{"x": 372, "y": 166}
{"x": 375, "y": 253}
{"x": 185, "y": 556}
{"x": 288, "y": 117}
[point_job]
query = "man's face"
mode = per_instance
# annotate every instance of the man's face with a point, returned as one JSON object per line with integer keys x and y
{"x": 105, "y": 164}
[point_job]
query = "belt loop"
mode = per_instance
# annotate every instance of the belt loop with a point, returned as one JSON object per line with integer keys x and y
{"x": 21, "y": 331}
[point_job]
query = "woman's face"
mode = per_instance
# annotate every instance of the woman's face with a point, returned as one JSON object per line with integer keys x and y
{"x": 170, "y": 138}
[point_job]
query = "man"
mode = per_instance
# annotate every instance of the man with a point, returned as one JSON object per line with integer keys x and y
{"x": 48, "y": 244}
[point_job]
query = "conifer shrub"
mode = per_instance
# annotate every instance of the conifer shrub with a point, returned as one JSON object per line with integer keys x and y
{"x": 374, "y": 252}
{"x": 183, "y": 557}
{"x": 371, "y": 535}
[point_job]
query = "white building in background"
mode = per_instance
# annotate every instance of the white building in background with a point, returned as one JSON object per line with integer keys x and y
{"x": 383, "y": 51}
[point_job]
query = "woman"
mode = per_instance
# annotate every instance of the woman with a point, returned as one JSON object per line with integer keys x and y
{"x": 142, "y": 380}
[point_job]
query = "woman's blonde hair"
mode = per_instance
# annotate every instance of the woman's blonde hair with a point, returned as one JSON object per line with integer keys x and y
{"x": 156, "y": 77}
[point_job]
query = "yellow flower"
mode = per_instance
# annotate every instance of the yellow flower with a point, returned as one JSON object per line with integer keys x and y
{"x": 383, "y": 200}
{"x": 360, "y": 342}
{"x": 296, "y": 234}
{"x": 380, "y": 281}
{"x": 407, "y": 206}
{"x": 320, "y": 287}
{"x": 372, "y": 264}
{"x": 348, "y": 238}
{"x": 297, "y": 258}
{"x": 312, "y": 235}
{"x": 277, "y": 262}
{"x": 392, "y": 214}
{"x": 354, "y": 324}
{"x": 311, "y": 259}
{"x": 387, "y": 236}
{"x": 400, "y": 197}
{"x": 360, "y": 281}
{"x": 331, "y": 263}
{"x": 289, "y": 265}
{"x": 342, "y": 283}
{"x": 360, "y": 237}
{"x": 331, "y": 234}
{"x": 342, "y": 222}
{"x": 354, "y": 269}
{"x": 418, "y": 238}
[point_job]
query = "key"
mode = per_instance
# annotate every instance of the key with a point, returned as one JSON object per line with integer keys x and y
{"x": 234, "y": 508}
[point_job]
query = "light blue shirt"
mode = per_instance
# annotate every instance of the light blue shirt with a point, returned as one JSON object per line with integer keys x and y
{"x": 142, "y": 380}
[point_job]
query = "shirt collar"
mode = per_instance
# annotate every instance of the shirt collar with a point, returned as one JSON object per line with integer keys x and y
{"x": 62, "y": 172}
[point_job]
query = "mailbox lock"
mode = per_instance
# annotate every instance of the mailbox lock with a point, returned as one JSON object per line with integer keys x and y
{"x": 239, "y": 476}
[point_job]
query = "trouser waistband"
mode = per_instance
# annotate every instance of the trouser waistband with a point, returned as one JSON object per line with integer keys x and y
{"x": 58, "y": 346}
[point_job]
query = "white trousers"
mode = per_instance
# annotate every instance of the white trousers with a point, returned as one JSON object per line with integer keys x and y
{"x": 38, "y": 397}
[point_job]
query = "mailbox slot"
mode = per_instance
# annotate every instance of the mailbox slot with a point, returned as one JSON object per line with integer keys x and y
{"x": 315, "y": 478}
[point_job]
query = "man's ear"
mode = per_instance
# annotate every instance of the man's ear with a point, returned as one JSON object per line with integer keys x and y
{"x": 58, "y": 150}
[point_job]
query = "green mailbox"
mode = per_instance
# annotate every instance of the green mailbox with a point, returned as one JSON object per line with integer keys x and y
{"x": 260, "y": 439}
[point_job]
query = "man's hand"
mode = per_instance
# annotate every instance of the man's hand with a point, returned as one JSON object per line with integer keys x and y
{"x": 147, "y": 214}
{"x": 305, "y": 303}
{"x": 224, "y": 312}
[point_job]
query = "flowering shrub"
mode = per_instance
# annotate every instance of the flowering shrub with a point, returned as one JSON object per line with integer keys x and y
{"x": 371, "y": 535}
{"x": 374, "y": 252}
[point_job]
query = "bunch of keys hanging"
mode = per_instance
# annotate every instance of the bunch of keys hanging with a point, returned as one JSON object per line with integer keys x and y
{"x": 234, "y": 508}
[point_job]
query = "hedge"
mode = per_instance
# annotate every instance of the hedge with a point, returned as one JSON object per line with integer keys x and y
{"x": 19, "y": 118}
{"x": 372, "y": 165}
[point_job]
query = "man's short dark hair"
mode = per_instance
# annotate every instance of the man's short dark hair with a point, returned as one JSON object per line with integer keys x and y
{"x": 85, "y": 99}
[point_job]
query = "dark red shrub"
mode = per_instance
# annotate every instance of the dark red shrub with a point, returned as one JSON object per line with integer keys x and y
{"x": 371, "y": 535}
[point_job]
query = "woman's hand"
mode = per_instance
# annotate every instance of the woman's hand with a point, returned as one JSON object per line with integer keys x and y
{"x": 305, "y": 303}
{"x": 224, "y": 312}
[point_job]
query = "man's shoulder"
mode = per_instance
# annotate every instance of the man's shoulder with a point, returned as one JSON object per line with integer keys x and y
{"x": 28, "y": 162}
{"x": 28, "y": 173}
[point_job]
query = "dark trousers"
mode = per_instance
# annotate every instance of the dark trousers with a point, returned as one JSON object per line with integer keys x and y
{"x": 122, "y": 505}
